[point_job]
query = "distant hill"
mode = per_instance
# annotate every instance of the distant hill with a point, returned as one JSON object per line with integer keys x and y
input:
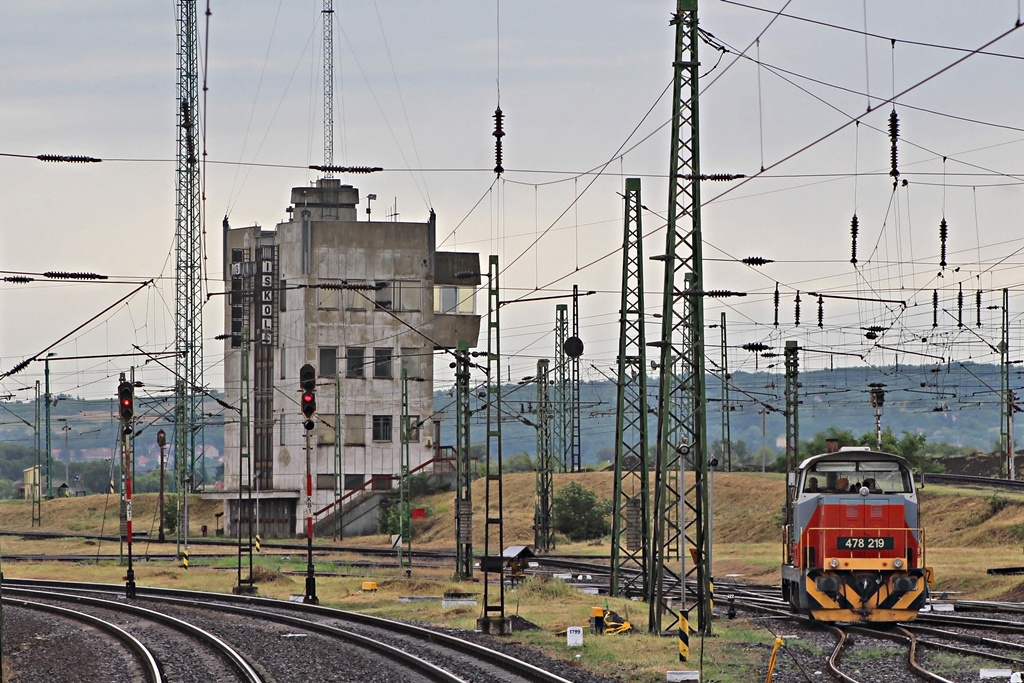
{"x": 954, "y": 403}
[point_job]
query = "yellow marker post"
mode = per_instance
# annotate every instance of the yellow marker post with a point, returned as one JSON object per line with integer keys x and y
{"x": 184, "y": 558}
{"x": 257, "y": 541}
{"x": 684, "y": 638}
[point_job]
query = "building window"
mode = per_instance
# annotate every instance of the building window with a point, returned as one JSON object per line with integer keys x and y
{"x": 354, "y": 481}
{"x": 382, "y": 363}
{"x": 325, "y": 430}
{"x": 411, "y": 362}
{"x": 355, "y": 362}
{"x": 384, "y": 296}
{"x": 382, "y": 428}
{"x": 355, "y": 430}
{"x": 283, "y": 296}
{"x": 325, "y": 482}
{"x": 327, "y": 299}
{"x": 456, "y": 300}
{"x": 356, "y": 299}
{"x": 381, "y": 482}
{"x": 328, "y": 361}
{"x": 280, "y": 429}
{"x": 407, "y": 295}
{"x": 412, "y": 428}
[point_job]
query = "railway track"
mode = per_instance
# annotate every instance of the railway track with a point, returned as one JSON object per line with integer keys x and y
{"x": 293, "y": 641}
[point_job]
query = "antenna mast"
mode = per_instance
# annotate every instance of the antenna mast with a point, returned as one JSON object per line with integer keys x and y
{"x": 328, "y": 13}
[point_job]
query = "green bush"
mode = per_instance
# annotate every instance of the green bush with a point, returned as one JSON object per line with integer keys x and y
{"x": 579, "y": 513}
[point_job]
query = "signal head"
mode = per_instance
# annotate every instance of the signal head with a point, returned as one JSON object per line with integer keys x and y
{"x": 126, "y": 401}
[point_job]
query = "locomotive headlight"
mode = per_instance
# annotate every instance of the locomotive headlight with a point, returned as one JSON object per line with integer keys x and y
{"x": 833, "y": 563}
{"x": 898, "y": 563}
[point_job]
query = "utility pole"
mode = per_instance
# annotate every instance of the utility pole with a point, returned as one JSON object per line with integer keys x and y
{"x": 245, "y": 505}
{"x": 37, "y": 492}
{"x": 188, "y": 276}
{"x": 726, "y": 405}
{"x": 493, "y": 621}
{"x": 877, "y": 396}
{"x": 49, "y": 432}
{"x": 631, "y": 515}
{"x": 405, "y": 486}
{"x": 682, "y": 420}
{"x": 463, "y": 466}
{"x": 543, "y": 534}
{"x": 339, "y": 463}
{"x": 1006, "y": 394}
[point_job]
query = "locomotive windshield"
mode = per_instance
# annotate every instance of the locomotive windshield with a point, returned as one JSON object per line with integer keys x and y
{"x": 848, "y": 477}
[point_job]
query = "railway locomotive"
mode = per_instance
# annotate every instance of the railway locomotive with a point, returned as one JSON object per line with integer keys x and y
{"x": 853, "y": 550}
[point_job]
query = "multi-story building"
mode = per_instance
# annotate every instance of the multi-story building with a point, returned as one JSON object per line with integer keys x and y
{"x": 361, "y": 301}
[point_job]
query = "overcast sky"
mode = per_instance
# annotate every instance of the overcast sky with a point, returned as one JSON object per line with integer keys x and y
{"x": 582, "y": 85}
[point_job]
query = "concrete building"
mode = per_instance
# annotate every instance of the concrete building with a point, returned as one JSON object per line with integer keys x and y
{"x": 362, "y": 301}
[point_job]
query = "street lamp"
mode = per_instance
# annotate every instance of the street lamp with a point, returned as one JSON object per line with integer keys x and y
{"x": 161, "y": 440}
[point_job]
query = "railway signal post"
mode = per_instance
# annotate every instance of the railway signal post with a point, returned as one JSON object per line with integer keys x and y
{"x": 307, "y": 381}
{"x": 126, "y": 411}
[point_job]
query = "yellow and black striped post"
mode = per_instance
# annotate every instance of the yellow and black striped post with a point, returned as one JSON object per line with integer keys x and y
{"x": 111, "y": 489}
{"x": 684, "y": 637}
{"x": 184, "y": 558}
{"x": 256, "y": 540}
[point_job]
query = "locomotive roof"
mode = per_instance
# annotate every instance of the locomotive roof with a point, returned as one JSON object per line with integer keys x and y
{"x": 854, "y": 454}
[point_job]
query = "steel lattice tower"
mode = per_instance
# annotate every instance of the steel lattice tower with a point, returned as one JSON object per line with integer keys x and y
{"x": 682, "y": 420}
{"x": 245, "y": 501}
{"x": 576, "y": 432}
{"x": 405, "y": 493}
{"x": 561, "y": 441}
{"x": 188, "y": 281}
{"x": 792, "y": 358}
{"x": 631, "y": 525}
{"x": 463, "y": 466}
{"x": 328, "y": 16}
{"x": 543, "y": 534}
{"x": 493, "y": 621}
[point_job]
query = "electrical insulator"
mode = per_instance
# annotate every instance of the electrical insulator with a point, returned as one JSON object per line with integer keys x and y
{"x": 854, "y": 229}
{"x": 943, "y": 232}
{"x": 935, "y": 308}
{"x": 821, "y": 311}
{"x": 498, "y": 134}
{"x": 797, "y": 310}
{"x": 776, "y": 304}
{"x": 894, "y": 134}
{"x": 977, "y": 304}
{"x": 960, "y": 307}
{"x": 757, "y": 261}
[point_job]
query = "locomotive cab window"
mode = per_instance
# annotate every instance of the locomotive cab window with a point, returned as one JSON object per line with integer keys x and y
{"x": 849, "y": 477}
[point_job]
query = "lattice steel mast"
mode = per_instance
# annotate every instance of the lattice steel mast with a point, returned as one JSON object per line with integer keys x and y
{"x": 1006, "y": 395}
{"x": 561, "y": 440}
{"x": 682, "y": 421}
{"x": 463, "y": 466}
{"x": 631, "y": 516}
{"x": 188, "y": 319}
{"x": 543, "y": 533}
{"x": 493, "y": 621}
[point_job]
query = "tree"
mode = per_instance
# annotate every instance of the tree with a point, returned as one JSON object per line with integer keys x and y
{"x": 579, "y": 513}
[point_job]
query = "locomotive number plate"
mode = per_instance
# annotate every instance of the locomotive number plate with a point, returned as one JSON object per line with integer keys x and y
{"x": 866, "y": 543}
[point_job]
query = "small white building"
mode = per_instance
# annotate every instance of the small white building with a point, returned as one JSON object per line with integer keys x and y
{"x": 361, "y": 301}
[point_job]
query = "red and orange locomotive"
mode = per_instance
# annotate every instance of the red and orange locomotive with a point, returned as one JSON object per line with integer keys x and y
{"x": 852, "y": 548}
